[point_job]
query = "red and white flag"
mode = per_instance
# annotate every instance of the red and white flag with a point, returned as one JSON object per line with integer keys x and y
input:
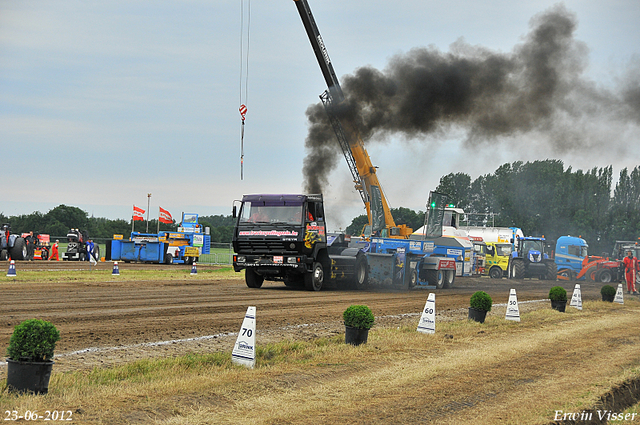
{"x": 138, "y": 214}
{"x": 165, "y": 216}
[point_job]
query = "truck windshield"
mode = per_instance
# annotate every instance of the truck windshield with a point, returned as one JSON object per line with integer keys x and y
{"x": 577, "y": 250}
{"x": 503, "y": 250}
{"x": 272, "y": 214}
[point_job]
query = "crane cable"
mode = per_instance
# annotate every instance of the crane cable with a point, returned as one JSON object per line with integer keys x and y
{"x": 244, "y": 75}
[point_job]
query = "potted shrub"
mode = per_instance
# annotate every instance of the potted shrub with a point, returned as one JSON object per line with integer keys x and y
{"x": 480, "y": 304}
{"x": 558, "y": 297}
{"x": 358, "y": 319}
{"x": 608, "y": 293}
{"x": 30, "y": 355}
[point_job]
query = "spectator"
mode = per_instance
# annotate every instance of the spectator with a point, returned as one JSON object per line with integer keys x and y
{"x": 90, "y": 250}
{"x": 31, "y": 241}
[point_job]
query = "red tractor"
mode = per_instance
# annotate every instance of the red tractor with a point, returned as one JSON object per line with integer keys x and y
{"x": 608, "y": 269}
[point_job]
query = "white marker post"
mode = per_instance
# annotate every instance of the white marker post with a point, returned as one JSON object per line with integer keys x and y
{"x": 576, "y": 298}
{"x": 513, "y": 311}
{"x": 427, "y": 323}
{"x": 619, "y": 295}
{"x": 244, "y": 352}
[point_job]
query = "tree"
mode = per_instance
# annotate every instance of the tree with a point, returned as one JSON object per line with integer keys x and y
{"x": 356, "y": 226}
{"x": 458, "y": 187}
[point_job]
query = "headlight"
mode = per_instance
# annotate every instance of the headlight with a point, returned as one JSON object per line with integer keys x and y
{"x": 241, "y": 259}
{"x": 291, "y": 260}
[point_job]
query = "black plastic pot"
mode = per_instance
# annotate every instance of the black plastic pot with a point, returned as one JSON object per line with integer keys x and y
{"x": 559, "y": 305}
{"x": 477, "y": 315}
{"x": 355, "y": 336}
{"x": 608, "y": 298}
{"x": 29, "y": 376}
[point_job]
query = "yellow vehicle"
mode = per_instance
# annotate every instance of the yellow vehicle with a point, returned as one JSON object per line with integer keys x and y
{"x": 497, "y": 259}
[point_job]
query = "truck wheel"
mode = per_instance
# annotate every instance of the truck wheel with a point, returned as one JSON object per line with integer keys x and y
{"x": 566, "y": 274}
{"x": 604, "y": 276}
{"x": 495, "y": 273}
{"x": 413, "y": 279}
{"x": 168, "y": 258}
{"x": 82, "y": 257}
{"x": 449, "y": 278}
{"x": 313, "y": 281}
{"x": 4, "y": 255}
{"x": 19, "y": 250}
{"x": 253, "y": 279}
{"x": 435, "y": 278}
{"x": 361, "y": 273}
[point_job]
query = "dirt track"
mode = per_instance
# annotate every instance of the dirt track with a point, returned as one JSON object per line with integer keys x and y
{"x": 109, "y": 321}
{"x": 115, "y": 319}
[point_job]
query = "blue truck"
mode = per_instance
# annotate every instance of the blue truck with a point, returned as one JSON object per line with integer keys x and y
{"x": 183, "y": 246}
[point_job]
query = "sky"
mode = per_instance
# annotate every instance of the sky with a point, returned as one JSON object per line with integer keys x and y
{"x": 102, "y": 103}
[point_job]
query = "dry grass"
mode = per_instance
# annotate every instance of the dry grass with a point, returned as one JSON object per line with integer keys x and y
{"x": 497, "y": 372}
{"x": 105, "y": 275}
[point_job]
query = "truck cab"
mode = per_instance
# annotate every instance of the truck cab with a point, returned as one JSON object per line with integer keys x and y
{"x": 497, "y": 261}
{"x": 570, "y": 253}
{"x": 281, "y": 238}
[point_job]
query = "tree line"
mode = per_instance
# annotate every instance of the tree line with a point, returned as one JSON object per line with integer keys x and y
{"x": 544, "y": 198}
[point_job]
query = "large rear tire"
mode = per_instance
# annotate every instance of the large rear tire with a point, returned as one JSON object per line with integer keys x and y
{"x": 518, "y": 269}
{"x": 604, "y": 276}
{"x": 552, "y": 271}
{"x": 361, "y": 273}
{"x": 19, "y": 250}
{"x": 253, "y": 279}
{"x": 313, "y": 281}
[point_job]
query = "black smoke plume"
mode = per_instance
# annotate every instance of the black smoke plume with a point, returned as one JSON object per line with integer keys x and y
{"x": 538, "y": 87}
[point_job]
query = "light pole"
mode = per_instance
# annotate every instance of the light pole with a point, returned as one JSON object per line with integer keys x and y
{"x": 148, "y": 203}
